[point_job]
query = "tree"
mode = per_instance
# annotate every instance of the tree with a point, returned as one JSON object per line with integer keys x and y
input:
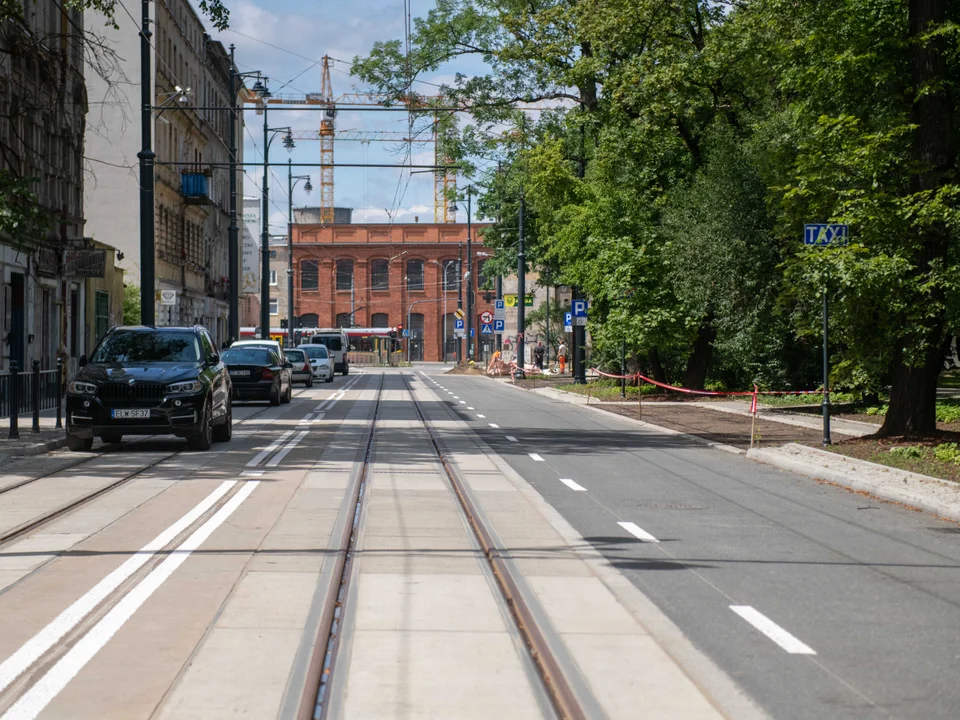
{"x": 131, "y": 304}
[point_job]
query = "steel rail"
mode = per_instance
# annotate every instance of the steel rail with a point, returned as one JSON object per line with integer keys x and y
{"x": 323, "y": 659}
{"x": 38, "y": 522}
{"x": 558, "y": 688}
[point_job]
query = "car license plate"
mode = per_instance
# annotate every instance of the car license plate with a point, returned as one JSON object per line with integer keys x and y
{"x": 124, "y": 414}
{"x": 239, "y": 373}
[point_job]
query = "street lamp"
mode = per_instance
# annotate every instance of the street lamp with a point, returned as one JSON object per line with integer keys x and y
{"x": 292, "y": 180}
{"x": 269, "y": 134}
{"x": 443, "y": 289}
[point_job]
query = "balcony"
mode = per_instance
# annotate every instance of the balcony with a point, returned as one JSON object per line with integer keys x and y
{"x": 195, "y": 188}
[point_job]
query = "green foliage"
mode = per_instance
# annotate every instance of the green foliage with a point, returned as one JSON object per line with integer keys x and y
{"x": 22, "y": 219}
{"x": 910, "y": 451}
{"x": 131, "y": 305}
{"x": 948, "y": 411}
{"x": 947, "y": 453}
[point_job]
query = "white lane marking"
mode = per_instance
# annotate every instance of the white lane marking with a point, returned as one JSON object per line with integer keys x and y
{"x": 469, "y": 408}
{"x": 43, "y": 692}
{"x": 275, "y": 460}
{"x": 481, "y": 416}
{"x": 456, "y": 397}
{"x": 572, "y": 485}
{"x": 252, "y": 473}
{"x": 534, "y": 456}
{"x": 773, "y": 631}
{"x": 493, "y": 425}
{"x": 261, "y": 456}
{"x": 30, "y": 651}
{"x": 511, "y": 438}
{"x": 638, "y": 532}
{"x": 449, "y": 393}
{"x": 463, "y": 402}
{"x": 318, "y": 418}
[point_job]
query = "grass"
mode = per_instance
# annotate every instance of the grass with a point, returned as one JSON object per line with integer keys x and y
{"x": 929, "y": 456}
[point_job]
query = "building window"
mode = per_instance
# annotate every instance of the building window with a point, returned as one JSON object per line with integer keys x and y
{"x": 343, "y": 320}
{"x": 380, "y": 274}
{"x": 414, "y": 274}
{"x": 101, "y": 315}
{"x": 344, "y": 276}
{"x": 379, "y": 320}
{"x": 309, "y": 320}
{"x": 309, "y": 275}
{"x": 274, "y": 306}
{"x": 273, "y": 254}
{"x": 273, "y": 277}
{"x": 451, "y": 275}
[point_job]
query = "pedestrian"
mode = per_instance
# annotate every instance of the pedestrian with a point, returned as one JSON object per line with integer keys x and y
{"x": 538, "y": 356}
{"x": 562, "y": 357}
{"x": 496, "y": 364}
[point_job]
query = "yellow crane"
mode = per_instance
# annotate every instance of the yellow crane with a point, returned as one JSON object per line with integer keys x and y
{"x": 445, "y": 181}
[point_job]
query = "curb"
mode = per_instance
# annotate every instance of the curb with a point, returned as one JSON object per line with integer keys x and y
{"x": 899, "y": 486}
{"x": 35, "y": 449}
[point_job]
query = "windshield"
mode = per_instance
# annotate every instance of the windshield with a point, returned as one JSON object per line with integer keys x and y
{"x": 248, "y": 356}
{"x": 317, "y": 352}
{"x": 295, "y": 356}
{"x": 136, "y": 346}
{"x": 333, "y": 342}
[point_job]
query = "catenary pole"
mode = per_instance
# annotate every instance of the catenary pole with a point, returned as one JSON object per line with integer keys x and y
{"x": 148, "y": 312}
{"x": 233, "y": 243}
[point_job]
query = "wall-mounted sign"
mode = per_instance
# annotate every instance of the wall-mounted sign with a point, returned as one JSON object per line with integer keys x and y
{"x": 511, "y": 300}
{"x": 85, "y": 263}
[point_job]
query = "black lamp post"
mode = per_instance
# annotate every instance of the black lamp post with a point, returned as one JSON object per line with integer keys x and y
{"x": 292, "y": 180}
{"x": 521, "y": 295}
{"x": 471, "y": 352}
{"x": 148, "y": 311}
{"x": 269, "y": 134}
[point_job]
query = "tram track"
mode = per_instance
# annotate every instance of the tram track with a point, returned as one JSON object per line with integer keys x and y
{"x": 316, "y": 700}
{"x": 29, "y": 526}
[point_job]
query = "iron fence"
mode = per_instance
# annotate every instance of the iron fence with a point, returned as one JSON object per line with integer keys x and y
{"x": 23, "y": 393}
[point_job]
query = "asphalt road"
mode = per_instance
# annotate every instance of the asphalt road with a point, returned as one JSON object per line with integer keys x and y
{"x": 820, "y": 602}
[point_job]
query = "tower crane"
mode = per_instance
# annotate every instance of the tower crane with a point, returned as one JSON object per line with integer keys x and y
{"x": 445, "y": 181}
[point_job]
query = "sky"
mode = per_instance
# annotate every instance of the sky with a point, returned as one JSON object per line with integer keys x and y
{"x": 285, "y": 40}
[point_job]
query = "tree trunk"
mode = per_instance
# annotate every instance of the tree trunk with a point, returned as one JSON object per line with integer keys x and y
{"x": 656, "y": 367}
{"x": 696, "y": 373}
{"x": 913, "y": 394}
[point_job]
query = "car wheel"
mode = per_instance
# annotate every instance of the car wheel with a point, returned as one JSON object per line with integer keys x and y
{"x": 275, "y": 395}
{"x": 310, "y": 382}
{"x": 203, "y": 439}
{"x": 346, "y": 369}
{"x": 224, "y": 431}
{"x": 111, "y": 438}
{"x": 79, "y": 444}
{"x": 288, "y": 395}
{"x": 329, "y": 379}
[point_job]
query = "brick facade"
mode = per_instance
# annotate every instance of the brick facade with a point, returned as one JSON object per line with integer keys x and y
{"x": 402, "y": 247}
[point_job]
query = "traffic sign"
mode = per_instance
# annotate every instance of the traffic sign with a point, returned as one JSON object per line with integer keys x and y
{"x": 578, "y": 308}
{"x": 458, "y": 312}
{"x": 499, "y": 326}
{"x": 458, "y": 324}
{"x": 406, "y": 333}
{"x": 486, "y": 317}
{"x": 568, "y": 322}
{"x": 460, "y": 333}
{"x": 824, "y": 234}
{"x": 473, "y": 331}
{"x": 499, "y": 306}
{"x": 486, "y": 329}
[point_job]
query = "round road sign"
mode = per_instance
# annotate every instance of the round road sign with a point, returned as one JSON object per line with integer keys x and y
{"x": 486, "y": 317}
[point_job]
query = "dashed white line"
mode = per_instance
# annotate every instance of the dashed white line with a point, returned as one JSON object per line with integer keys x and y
{"x": 511, "y": 438}
{"x": 572, "y": 485}
{"x": 56, "y": 679}
{"x": 469, "y": 408}
{"x": 534, "y": 456}
{"x": 252, "y": 473}
{"x": 773, "y": 631}
{"x": 275, "y": 460}
{"x": 638, "y": 532}
{"x": 493, "y": 425}
{"x": 463, "y": 402}
{"x": 482, "y": 416}
{"x": 259, "y": 458}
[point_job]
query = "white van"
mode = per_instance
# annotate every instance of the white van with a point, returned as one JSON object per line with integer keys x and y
{"x": 337, "y": 344}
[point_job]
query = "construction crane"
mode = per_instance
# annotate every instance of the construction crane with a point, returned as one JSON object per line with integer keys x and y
{"x": 445, "y": 181}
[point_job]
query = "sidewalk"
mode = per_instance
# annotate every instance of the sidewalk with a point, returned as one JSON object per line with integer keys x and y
{"x": 31, "y": 443}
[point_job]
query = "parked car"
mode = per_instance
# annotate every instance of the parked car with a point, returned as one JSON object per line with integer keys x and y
{"x": 277, "y": 348}
{"x": 151, "y": 381}
{"x": 320, "y": 361}
{"x": 337, "y": 344}
{"x": 302, "y": 369}
{"x": 258, "y": 373}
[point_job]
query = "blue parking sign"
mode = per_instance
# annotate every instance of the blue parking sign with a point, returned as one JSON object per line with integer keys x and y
{"x": 499, "y": 326}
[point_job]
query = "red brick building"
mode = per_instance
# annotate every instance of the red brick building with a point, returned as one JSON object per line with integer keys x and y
{"x": 388, "y": 276}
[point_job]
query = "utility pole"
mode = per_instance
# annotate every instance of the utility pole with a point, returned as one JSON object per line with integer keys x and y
{"x": 521, "y": 296}
{"x": 500, "y": 297}
{"x": 233, "y": 243}
{"x": 291, "y": 181}
{"x": 580, "y": 331}
{"x": 148, "y": 311}
{"x": 460, "y": 296}
{"x": 469, "y": 278}
{"x": 265, "y": 236}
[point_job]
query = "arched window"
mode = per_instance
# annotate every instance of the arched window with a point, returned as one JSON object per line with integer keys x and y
{"x": 414, "y": 274}
{"x": 343, "y": 320}
{"x": 379, "y": 320}
{"x": 379, "y": 275}
{"x": 309, "y": 275}
{"x": 309, "y": 320}
{"x": 344, "y": 275}
{"x": 451, "y": 275}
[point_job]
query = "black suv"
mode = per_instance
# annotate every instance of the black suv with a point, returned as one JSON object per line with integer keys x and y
{"x": 151, "y": 381}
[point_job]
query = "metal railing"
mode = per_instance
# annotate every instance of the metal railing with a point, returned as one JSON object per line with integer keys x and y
{"x": 383, "y": 358}
{"x": 31, "y": 392}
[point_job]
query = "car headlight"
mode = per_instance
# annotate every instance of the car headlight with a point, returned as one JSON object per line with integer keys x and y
{"x": 185, "y": 387}
{"x": 81, "y": 388}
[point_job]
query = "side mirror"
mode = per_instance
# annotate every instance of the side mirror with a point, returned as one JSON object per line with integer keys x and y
{"x": 82, "y": 361}
{"x": 213, "y": 359}
{"x": 288, "y": 364}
